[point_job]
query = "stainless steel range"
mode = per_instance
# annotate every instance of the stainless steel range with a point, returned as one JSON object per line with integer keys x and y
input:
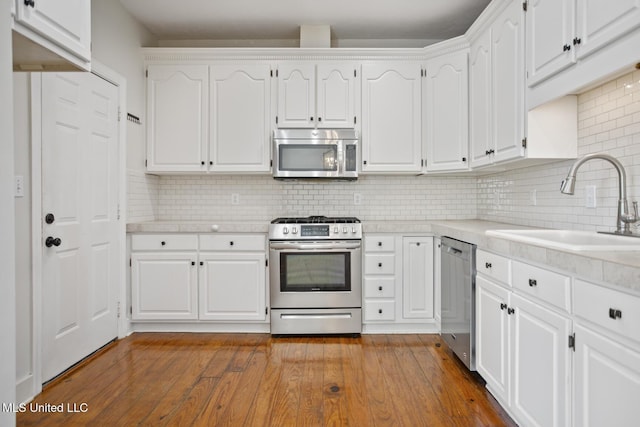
{"x": 316, "y": 275}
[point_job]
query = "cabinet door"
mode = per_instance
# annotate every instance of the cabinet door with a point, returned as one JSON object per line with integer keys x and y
{"x": 232, "y": 286}
{"x": 296, "y": 95}
{"x": 601, "y": 21}
{"x": 550, "y": 33}
{"x": 480, "y": 105}
{"x": 541, "y": 365}
{"x": 492, "y": 334}
{"x": 66, "y": 23}
{"x": 606, "y": 381}
{"x": 240, "y": 118}
{"x": 507, "y": 85}
{"x": 336, "y": 87}
{"x": 164, "y": 286}
{"x": 447, "y": 104}
{"x": 391, "y": 117}
{"x": 177, "y": 118}
{"x": 417, "y": 280}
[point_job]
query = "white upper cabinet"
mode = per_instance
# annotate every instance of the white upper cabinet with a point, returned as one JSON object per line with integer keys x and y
{"x": 391, "y": 117}
{"x": 507, "y": 85}
{"x": 561, "y": 32}
{"x": 480, "y": 105}
{"x": 240, "y": 118}
{"x": 62, "y": 27}
{"x": 177, "y": 118}
{"x": 550, "y": 33}
{"x": 322, "y": 95}
{"x": 446, "y": 108}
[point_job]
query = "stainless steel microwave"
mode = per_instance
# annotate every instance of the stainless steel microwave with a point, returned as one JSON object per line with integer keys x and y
{"x": 315, "y": 153}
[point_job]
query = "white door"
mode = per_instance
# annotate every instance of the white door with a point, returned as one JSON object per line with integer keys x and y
{"x": 336, "y": 86}
{"x": 80, "y": 191}
{"x": 240, "y": 118}
{"x": 417, "y": 283}
{"x": 480, "y": 105}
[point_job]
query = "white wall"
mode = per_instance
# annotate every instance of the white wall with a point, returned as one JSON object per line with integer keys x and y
{"x": 7, "y": 222}
{"x": 608, "y": 121}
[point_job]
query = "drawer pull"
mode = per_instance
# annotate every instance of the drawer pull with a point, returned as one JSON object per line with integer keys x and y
{"x": 201, "y": 263}
{"x": 487, "y": 265}
{"x": 615, "y": 314}
{"x": 163, "y": 243}
{"x": 533, "y": 282}
{"x": 511, "y": 311}
{"x": 379, "y": 311}
{"x": 231, "y": 243}
{"x": 193, "y": 263}
{"x": 379, "y": 288}
{"x": 503, "y": 306}
{"x": 379, "y": 243}
{"x": 379, "y": 264}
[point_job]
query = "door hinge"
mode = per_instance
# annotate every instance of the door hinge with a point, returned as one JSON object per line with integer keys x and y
{"x": 354, "y": 73}
{"x": 524, "y": 142}
{"x": 118, "y": 215}
{"x": 129, "y": 262}
{"x": 354, "y": 120}
{"x": 271, "y": 163}
{"x": 271, "y": 71}
{"x": 266, "y": 310}
{"x": 118, "y": 310}
{"x": 572, "y": 341}
{"x": 276, "y": 119}
{"x": 119, "y": 113}
{"x": 145, "y": 163}
{"x": 130, "y": 310}
{"x": 146, "y": 73}
{"x": 524, "y": 5}
{"x": 276, "y": 72}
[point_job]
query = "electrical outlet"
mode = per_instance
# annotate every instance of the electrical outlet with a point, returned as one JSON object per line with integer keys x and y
{"x": 19, "y": 188}
{"x": 590, "y": 196}
{"x": 357, "y": 198}
{"x": 235, "y": 199}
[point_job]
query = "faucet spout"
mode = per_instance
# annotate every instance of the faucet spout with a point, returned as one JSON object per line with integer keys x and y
{"x": 624, "y": 217}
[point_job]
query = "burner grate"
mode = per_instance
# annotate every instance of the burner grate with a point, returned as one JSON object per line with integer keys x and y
{"x": 316, "y": 219}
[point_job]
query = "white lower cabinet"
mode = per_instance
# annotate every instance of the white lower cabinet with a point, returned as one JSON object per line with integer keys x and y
{"x": 164, "y": 286}
{"x": 552, "y": 357}
{"x": 207, "y": 277}
{"x": 398, "y": 282}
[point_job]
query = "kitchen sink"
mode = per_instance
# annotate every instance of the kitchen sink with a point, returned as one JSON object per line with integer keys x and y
{"x": 570, "y": 239}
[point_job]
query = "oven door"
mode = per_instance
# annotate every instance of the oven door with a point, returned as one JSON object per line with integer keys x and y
{"x": 315, "y": 274}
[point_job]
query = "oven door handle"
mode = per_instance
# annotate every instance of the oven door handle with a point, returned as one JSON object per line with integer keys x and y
{"x": 332, "y": 246}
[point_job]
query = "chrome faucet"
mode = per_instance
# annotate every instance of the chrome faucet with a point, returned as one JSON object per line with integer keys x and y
{"x": 624, "y": 217}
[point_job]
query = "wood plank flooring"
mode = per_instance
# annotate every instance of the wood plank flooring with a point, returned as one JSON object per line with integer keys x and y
{"x": 170, "y": 379}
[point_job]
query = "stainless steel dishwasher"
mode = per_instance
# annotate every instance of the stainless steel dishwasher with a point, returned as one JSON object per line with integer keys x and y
{"x": 458, "y": 283}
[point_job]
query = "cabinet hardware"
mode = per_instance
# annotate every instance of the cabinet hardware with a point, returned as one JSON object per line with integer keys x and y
{"x": 211, "y": 162}
{"x": 421, "y": 162}
{"x": 271, "y": 72}
{"x": 379, "y": 311}
{"x": 572, "y": 341}
{"x": 379, "y": 264}
{"x": 49, "y": 218}
{"x": 503, "y": 306}
{"x": 524, "y": 6}
{"x": 487, "y": 265}
{"x": 417, "y": 243}
{"x": 163, "y": 243}
{"x": 276, "y": 119}
{"x": 202, "y": 162}
{"x": 354, "y": 120}
{"x": 379, "y": 288}
{"x": 231, "y": 243}
{"x": 524, "y": 142}
{"x": 311, "y": 118}
{"x": 379, "y": 243}
{"x": 615, "y": 314}
{"x": 201, "y": 263}
{"x": 193, "y": 263}
{"x": 464, "y": 159}
{"x": 130, "y": 262}
{"x": 146, "y": 73}
{"x": 533, "y": 282}
{"x": 566, "y": 47}
{"x": 577, "y": 41}
{"x": 145, "y": 163}
{"x": 266, "y": 310}
{"x": 511, "y": 310}
{"x": 319, "y": 119}
{"x": 365, "y": 162}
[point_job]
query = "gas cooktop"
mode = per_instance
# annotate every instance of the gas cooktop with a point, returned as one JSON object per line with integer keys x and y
{"x": 317, "y": 220}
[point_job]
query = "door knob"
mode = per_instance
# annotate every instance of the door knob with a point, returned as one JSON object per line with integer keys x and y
{"x": 52, "y": 241}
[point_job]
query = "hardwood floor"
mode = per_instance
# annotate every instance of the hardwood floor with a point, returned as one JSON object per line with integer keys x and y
{"x": 167, "y": 379}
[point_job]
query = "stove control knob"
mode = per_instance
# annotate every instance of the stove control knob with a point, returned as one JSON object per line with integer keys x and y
{"x": 353, "y": 230}
{"x": 294, "y": 230}
{"x": 344, "y": 230}
{"x": 336, "y": 230}
{"x": 285, "y": 230}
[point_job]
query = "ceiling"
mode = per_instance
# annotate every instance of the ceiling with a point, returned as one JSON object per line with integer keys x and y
{"x": 281, "y": 19}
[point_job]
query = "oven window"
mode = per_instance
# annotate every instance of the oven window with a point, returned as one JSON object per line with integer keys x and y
{"x": 313, "y": 272}
{"x": 308, "y": 158}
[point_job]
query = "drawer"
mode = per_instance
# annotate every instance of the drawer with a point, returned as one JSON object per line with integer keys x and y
{"x": 379, "y": 244}
{"x": 379, "y": 287}
{"x": 616, "y": 311}
{"x": 379, "y": 310}
{"x": 494, "y": 266}
{"x": 164, "y": 242}
{"x": 543, "y": 284}
{"x": 379, "y": 264}
{"x": 232, "y": 242}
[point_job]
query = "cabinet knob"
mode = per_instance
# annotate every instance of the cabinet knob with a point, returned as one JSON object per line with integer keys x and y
{"x": 379, "y": 288}
{"x": 510, "y": 310}
{"x": 49, "y": 218}
{"x": 311, "y": 118}
{"x": 231, "y": 243}
{"x": 52, "y": 241}
{"x": 31, "y": 3}
{"x": 379, "y": 243}
{"x": 163, "y": 243}
{"x": 615, "y": 314}
{"x": 464, "y": 159}
{"x": 319, "y": 119}
{"x": 503, "y": 306}
{"x": 379, "y": 311}
{"x": 201, "y": 262}
{"x": 577, "y": 40}
{"x": 417, "y": 243}
{"x": 379, "y": 264}
{"x": 202, "y": 163}
{"x": 566, "y": 47}
{"x": 365, "y": 162}
{"x": 533, "y": 282}
{"x": 487, "y": 265}
{"x": 193, "y": 263}
{"x": 211, "y": 162}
